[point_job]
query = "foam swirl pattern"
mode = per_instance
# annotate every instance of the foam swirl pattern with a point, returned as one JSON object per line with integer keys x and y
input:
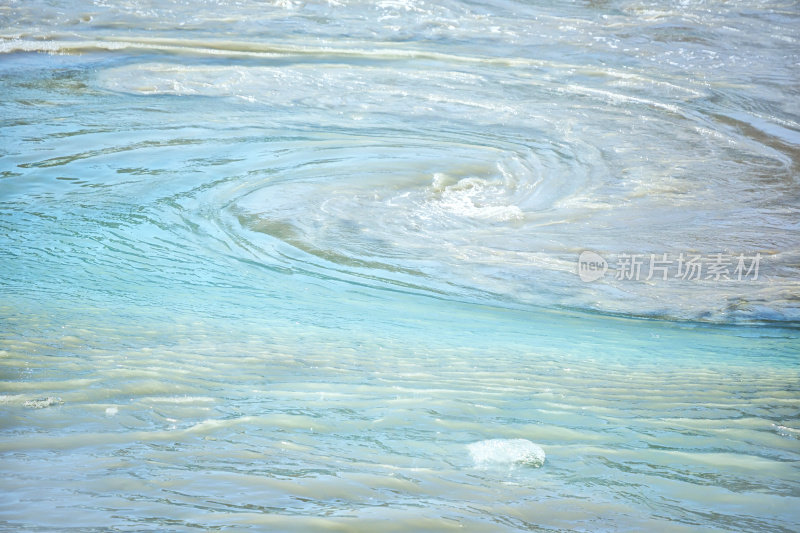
{"x": 470, "y": 171}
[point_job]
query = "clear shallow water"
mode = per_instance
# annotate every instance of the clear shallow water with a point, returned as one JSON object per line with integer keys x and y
{"x": 288, "y": 266}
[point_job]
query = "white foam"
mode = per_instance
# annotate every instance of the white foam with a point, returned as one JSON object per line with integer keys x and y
{"x": 41, "y": 403}
{"x": 506, "y": 452}
{"x": 785, "y": 431}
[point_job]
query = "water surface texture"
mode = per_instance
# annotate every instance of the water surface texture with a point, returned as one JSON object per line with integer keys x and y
{"x": 315, "y": 265}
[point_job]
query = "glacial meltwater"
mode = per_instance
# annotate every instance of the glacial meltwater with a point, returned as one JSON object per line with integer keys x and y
{"x": 399, "y": 265}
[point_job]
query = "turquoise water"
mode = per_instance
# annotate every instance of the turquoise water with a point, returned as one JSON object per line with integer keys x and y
{"x": 314, "y": 265}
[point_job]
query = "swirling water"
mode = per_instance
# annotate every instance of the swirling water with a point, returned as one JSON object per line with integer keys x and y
{"x": 312, "y": 265}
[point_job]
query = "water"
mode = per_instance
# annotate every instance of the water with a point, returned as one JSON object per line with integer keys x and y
{"x": 313, "y": 265}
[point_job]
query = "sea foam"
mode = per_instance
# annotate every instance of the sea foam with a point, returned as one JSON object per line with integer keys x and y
{"x": 506, "y": 452}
